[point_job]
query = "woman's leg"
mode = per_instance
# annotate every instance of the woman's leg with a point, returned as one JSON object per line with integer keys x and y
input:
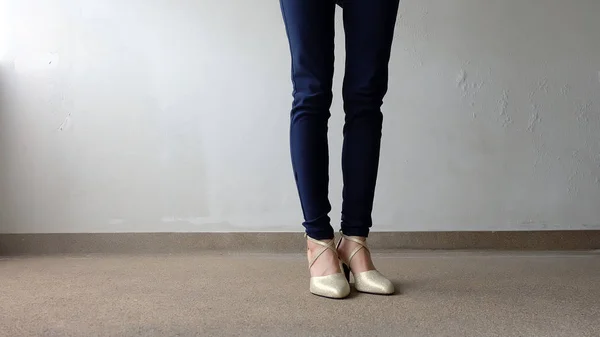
{"x": 369, "y": 27}
{"x": 310, "y": 31}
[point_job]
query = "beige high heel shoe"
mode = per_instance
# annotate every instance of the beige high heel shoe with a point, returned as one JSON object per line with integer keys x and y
{"x": 369, "y": 281}
{"x": 332, "y": 286}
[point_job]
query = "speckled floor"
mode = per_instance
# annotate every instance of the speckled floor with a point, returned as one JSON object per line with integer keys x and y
{"x": 441, "y": 294}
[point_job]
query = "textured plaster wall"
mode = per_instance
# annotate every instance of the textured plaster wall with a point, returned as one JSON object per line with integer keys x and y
{"x": 161, "y": 115}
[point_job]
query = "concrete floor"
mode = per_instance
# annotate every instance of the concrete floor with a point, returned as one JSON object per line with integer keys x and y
{"x": 442, "y": 294}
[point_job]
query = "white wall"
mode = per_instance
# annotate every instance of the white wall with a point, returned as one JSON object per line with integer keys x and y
{"x": 172, "y": 115}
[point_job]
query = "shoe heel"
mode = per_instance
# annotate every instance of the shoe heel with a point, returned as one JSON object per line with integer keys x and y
{"x": 346, "y": 271}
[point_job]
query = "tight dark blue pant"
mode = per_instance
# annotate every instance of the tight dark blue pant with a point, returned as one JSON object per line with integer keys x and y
{"x": 369, "y": 30}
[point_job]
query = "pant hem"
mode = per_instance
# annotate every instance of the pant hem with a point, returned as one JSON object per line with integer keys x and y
{"x": 362, "y": 232}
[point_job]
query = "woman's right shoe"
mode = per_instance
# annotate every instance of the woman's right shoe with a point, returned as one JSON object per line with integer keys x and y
{"x": 331, "y": 286}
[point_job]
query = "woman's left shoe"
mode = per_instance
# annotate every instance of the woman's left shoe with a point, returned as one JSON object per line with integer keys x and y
{"x": 370, "y": 281}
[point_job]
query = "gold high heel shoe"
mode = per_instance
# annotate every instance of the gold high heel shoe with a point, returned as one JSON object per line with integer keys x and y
{"x": 369, "y": 281}
{"x": 332, "y": 286}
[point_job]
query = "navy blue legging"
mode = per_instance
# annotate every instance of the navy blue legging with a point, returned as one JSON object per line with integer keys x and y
{"x": 369, "y": 30}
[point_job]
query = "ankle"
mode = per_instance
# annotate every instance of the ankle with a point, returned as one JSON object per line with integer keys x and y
{"x": 347, "y": 246}
{"x": 312, "y": 247}
{"x": 324, "y": 260}
{"x": 359, "y": 261}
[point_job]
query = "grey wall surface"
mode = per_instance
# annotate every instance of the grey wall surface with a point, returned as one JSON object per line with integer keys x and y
{"x": 172, "y": 115}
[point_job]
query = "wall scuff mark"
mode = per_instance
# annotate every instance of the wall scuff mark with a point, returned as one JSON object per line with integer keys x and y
{"x": 534, "y": 119}
{"x": 66, "y": 123}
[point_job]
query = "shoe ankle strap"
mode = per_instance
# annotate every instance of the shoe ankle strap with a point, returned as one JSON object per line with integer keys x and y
{"x": 361, "y": 245}
{"x": 324, "y": 244}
